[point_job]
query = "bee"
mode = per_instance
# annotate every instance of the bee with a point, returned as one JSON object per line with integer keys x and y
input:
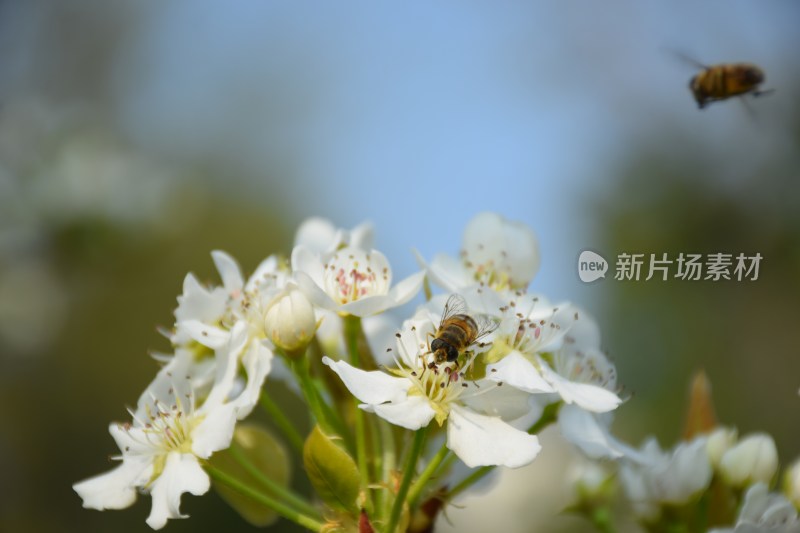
{"x": 458, "y": 331}
{"x": 720, "y": 82}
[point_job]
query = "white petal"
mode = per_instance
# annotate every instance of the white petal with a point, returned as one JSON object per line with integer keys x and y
{"x": 257, "y": 362}
{"x": 206, "y": 335}
{"x": 215, "y": 432}
{"x": 404, "y": 290}
{"x": 182, "y": 473}
{"x": 363, "y": 236}
{"x": 591, "y": 397}
{"x": 268, "y": 266}
{"x": 412, "y": 413}
{"x": 115, "y": 489}
{"x": 229, "y": 271}
{"x": 368, "y": 305}
{"x": 317, "y": 234}
{"x": 518, "y": 372}
{"x": 314, "y": 291}
{"x": 584, "y": 430}
{"x": 449, "y": 273}
{"x": 380, "y": 333}
{"x": 197, "y": 302}
{"x": 511, "y": 246}
{"x": 506, "y": 402}
{"x": 372, "y": 387}
{"x": 585, "y": 332}
{"x": 227, "y": 359}
{"x": 304, "y": 260}
{"x": 412, "y": 338}
{"x": 480, "y": 440}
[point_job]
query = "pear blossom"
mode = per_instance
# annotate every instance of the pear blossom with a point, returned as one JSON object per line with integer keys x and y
{"x": 206, "y": 318}
{"x": 791, "y": 483}
{"x": 418, "y": 390}
{"x": 720, "y": 441}
{"x": 290, "y": 320}
{"x": 658, "y": 477}
{"x": 323, "y": 238}
{"x": 764, "y": 512}
{"x": 555, "y": 349}
{"x": 353, "y": 281}
{"x": 172, "y": 430}
{"x": 752, "y": 459}
{"x": 495, "y": 252}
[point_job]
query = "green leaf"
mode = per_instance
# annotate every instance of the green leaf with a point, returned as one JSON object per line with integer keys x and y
{"x": 266, "y": 454}
{"x": 332, "y": 472}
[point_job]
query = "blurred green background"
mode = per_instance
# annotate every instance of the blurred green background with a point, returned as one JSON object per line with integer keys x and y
{"x": 136, "y": 138}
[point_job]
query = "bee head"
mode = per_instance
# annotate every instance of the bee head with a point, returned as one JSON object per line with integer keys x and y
{"x": 753, "y": 75}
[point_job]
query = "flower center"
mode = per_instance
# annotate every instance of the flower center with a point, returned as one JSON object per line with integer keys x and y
{"x": 442, "y": 384}
{"x": 352, "y": 274}
{"x": 585, "y": 367}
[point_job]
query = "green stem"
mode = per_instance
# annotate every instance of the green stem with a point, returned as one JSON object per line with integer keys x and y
{"x": 289, "y": 496}
{"x": 389, "y": 461}
{"x": 422, "y": 480}
{"x": 283, "y": 423}
{"x": 448, "y": 462}
{"x": 470, "y": 480}
{"x": 549, "y": 415}
{"x": 408, "y": 474}
{"x": 279, "y": 507}
{"x": 300, "y": 369}
{"x": 331, "y": 414}
{"x": 352, "y": 325}
{"x": 377, "y": 458}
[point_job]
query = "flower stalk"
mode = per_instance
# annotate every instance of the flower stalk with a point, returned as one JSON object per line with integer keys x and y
{"x": 281, "y": 508}
{"x": 284, "y": 424}
{"x": 352, "y": 327}
{"x": 408, "y": 473}
{"x": 286, "y": 494}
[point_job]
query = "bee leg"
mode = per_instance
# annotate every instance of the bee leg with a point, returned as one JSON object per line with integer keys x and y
{"x": 762, "y": 93}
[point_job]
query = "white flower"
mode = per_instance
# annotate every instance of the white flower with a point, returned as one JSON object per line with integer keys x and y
{"x": 323, "y": 238}
{"x": 161, "y": 448}
{"x": 211, "y": 318}
{"x": 495, "y": 252}
{"x": 666, "y": 478}
{"x": 764, "y": 512}
{"x": 556, "y": 350}
{"x": 290, "y": 320}
{"x": 352, "y": 281}
{"x": 791, "y": 483}
{"x": 720, "y": 441}
{"x": 753, "y": 459}
{"x": 420, "y": 390}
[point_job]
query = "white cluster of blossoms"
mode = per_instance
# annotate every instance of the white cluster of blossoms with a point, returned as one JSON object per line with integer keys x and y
{"x": 481, "y": 367}
{"x": 542, "y": 353}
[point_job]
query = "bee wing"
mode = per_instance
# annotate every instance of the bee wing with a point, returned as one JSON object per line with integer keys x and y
{"x": 486, "y": 325}
{"x": 686, "y": 58}
{"x": 455, "y": 305}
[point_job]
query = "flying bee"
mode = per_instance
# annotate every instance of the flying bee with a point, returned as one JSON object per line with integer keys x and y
{"x": 458, "y": 331}
{"x": 720, "y": 82}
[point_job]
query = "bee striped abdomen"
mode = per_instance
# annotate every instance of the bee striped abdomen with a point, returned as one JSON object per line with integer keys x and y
{"x": 719, "y": 82}
{"x": 459, "y": 331}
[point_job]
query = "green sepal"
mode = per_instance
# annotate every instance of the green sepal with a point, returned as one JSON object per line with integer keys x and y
{"x": 332, "y": 472}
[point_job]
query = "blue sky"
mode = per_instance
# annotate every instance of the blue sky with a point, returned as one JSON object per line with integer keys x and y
{"x": 419, "y": 116}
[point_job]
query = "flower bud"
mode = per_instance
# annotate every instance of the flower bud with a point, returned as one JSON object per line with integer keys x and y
{"x": 290, "y": 322}
{"x": 720, "y": 441}
{"x": 753, "y": 459}
{"x": 791, "y": 483}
